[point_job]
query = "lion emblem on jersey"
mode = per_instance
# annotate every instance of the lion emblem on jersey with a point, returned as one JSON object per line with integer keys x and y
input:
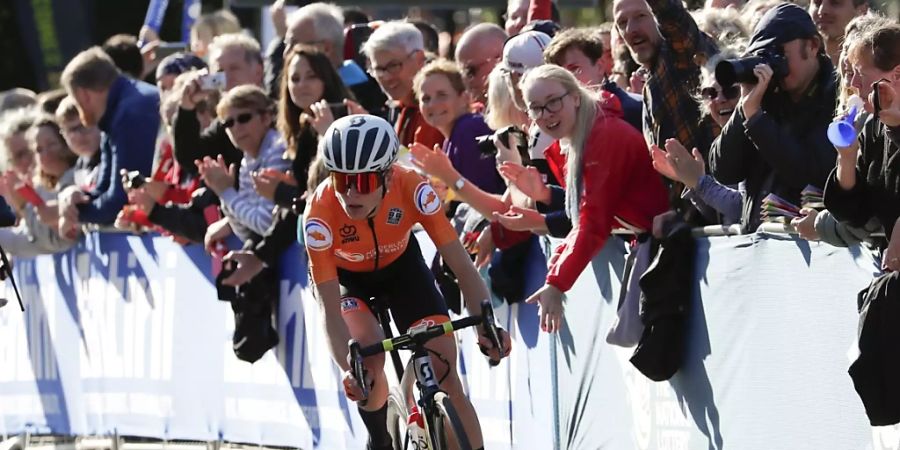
{"x": 426, "y": 199}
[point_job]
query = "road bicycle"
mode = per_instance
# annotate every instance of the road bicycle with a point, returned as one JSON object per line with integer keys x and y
{"x": 443, "y": 427}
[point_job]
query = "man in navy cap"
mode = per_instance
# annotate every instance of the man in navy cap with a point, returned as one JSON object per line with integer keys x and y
{"x": 776, "y": 139}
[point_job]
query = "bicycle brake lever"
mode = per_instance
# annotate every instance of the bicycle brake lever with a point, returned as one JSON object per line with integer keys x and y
{"x": 359, "y": 370}
{"x": 490, "y": 326}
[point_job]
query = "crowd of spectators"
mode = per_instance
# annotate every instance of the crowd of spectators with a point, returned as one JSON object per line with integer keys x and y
{"x": 525, "y": 129}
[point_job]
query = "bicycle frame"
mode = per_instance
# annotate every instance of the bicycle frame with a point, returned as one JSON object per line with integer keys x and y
{"x": 415, "y": 340}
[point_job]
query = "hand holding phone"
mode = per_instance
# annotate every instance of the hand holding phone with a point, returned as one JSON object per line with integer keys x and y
{"x": 213, "y": 81}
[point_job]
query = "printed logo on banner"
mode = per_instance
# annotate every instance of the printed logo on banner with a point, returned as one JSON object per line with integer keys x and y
{"x": 348, "y": 234}
{"x": 318, "y": 235}
{"x": 427, "y": 201}
{"x": 394, "y": 216}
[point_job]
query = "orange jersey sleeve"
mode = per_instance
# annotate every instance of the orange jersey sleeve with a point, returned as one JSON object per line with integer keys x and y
{"x": 318, "y": 235}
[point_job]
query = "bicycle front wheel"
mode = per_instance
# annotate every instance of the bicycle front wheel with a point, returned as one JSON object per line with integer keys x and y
{"x": 396, "y": 419}
{"x": 445, "y": 428}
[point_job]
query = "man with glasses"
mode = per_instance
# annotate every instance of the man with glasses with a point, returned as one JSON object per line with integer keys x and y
{"x": 396, "y": 53}
{"x": 478, "y": 51}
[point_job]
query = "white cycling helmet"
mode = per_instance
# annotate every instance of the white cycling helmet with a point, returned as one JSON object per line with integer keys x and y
{"x": 360, "y": 143}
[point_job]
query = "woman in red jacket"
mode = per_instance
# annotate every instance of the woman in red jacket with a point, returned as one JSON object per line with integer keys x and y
{"x": 609, "y": 177}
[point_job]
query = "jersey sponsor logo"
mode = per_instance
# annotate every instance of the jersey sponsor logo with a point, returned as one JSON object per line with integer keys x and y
{"x": 394, "y": 216}
{"x": 427, "y": 201}
{"x": 352, "y": 257}
{"x": 318, "y": 235}
{"x": 349, "y": 304}
{"x": 348, "y": 234}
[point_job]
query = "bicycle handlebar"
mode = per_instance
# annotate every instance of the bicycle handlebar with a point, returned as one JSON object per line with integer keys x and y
{"x": 420, "y": 336}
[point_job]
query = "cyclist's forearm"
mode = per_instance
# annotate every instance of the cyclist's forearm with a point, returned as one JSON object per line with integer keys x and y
{"x": 471, "y": 284}
{"x": 336, "y": 332}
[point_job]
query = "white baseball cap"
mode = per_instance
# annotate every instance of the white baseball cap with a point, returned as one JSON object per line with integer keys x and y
{"x": 525, "y": 51}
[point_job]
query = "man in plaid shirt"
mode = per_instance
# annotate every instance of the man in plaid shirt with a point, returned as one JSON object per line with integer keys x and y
{"x": 664, "y": 39}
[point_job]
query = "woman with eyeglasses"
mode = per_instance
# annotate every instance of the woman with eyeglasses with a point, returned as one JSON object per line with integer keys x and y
{"x": 609, "y": 178}
{"x": 866, "y": 182}
{"x": 444, "y": 103}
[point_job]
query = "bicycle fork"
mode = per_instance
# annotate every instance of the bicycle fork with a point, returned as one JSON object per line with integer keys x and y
{"x": 428, "y": 386}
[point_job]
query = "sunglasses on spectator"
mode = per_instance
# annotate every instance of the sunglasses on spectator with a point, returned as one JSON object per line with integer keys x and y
{"x": 363, "y": 183}
{"x": 240, "y": 118}
{"x": 730, "y": 93}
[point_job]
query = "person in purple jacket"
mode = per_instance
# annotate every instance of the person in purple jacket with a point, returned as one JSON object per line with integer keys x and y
{"x": 445, "y": 105}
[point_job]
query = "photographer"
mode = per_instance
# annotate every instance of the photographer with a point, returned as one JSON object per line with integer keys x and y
{"x": 776, "y": 139}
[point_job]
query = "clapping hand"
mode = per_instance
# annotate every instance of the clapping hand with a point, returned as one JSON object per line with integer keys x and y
{"x": 433, "y": 162}
{"x": 677, "y": 164}
{"x": 216, "y": 174}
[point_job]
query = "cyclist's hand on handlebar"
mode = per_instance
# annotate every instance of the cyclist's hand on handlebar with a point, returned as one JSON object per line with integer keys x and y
{"x": 352, "y": 389}
{"x": 487, "y": 347}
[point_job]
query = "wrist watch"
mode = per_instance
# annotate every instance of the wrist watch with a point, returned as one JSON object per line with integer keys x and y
{"x": 459, "y": 184}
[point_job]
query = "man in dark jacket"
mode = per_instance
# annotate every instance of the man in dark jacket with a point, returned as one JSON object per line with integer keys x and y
{"x": 127, "y": 111}
{"x": 776, "y": 140}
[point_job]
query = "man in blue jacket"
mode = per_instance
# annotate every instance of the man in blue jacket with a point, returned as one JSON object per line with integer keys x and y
{"x": 127, "y": 112}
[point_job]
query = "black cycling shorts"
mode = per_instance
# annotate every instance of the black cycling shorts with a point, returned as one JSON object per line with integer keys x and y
{"x": 406, "y": 287}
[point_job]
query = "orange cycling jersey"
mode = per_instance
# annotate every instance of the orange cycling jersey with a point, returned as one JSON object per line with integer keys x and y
{"x": 334, "y": 240}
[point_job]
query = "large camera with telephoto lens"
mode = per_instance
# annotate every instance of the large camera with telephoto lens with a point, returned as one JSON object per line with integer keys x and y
{"x": 510, "y": 135}
{"x": 732, "y": 71}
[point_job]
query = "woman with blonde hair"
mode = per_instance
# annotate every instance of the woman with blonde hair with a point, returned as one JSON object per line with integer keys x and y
{"x": 609, "y": 179}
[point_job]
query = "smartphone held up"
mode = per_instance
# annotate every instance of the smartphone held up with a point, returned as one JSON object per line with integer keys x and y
{"x": 213, "y": 81}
